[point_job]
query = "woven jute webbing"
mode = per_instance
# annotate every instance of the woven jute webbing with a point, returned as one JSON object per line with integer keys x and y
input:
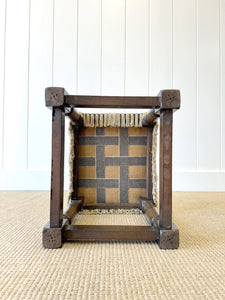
{"x": 114, "y": 120}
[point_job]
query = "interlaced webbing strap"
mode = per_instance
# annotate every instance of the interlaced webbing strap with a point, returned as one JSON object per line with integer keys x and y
{"x": 116, "y": 120}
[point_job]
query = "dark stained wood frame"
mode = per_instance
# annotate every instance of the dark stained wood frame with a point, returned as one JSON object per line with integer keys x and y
{"x": 161, "y": 228}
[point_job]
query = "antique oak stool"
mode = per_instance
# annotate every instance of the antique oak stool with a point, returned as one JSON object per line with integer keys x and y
{"x": 110, "y": 157}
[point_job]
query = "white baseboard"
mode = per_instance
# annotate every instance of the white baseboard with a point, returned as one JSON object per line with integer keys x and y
{"x": 182, "y": 180}
{"x": 207, "y": 180}
{"x": 21, "y": 180}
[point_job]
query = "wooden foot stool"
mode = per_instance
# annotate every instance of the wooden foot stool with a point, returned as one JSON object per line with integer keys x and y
{"x": 112, "y": 167}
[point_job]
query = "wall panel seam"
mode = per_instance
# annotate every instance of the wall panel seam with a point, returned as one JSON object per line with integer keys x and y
{"x": 172, "y": 44}
{"x": 196, "y": 84}
{"x": 149, "y": 56}
{"x": 125, "y": 44}
{"x": 220, "y": 87}
{"x": 28, "y": 87}
{"x": 101, "y": 48}
{"x": 53, "y": 41}
{"x": 77, "y": 47}
{"x": 3, "y": 83}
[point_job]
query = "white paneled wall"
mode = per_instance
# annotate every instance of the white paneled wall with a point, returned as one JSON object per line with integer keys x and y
{"x": 112, "y": 47}
{"x": 185, "y": 77}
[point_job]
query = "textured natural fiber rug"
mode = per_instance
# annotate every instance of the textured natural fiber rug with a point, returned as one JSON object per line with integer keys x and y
{"x": 122, "y": 220}
{"x": 112, "y": 270}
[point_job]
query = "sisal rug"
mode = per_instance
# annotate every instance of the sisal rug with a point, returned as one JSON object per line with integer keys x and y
{"x": 112, "y": 270}
{"x": 122, "y": 220}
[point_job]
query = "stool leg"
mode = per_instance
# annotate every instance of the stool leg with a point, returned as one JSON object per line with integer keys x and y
{"x": 168, "y": 232}
{"x": 166, "y": 123}
{"x": 75, "y": 163}
{"x": 57, "y": 176}
{"x": 52, "y": 233}
{"x": 149, "y": 163}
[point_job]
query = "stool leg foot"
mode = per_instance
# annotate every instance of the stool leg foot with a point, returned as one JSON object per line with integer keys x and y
{"x": 52, "y": 237}
{"x": 168, "y": 238}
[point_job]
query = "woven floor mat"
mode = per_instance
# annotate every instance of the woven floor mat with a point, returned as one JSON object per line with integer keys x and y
{"x": 112, "y": 270}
